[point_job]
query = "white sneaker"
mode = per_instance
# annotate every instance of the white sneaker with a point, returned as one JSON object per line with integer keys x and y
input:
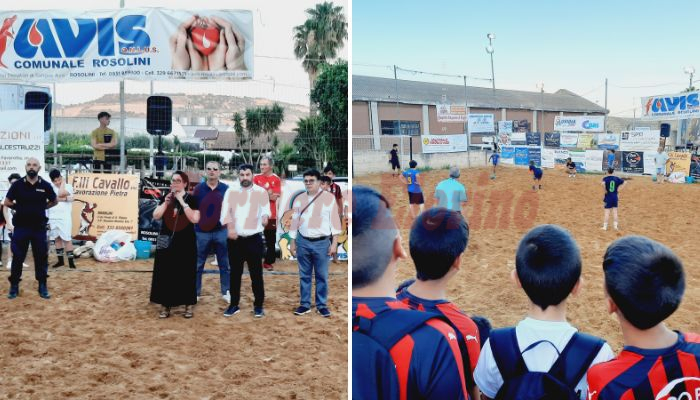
{"x": 227, "y": 297}
{"x": 605, "y": 227}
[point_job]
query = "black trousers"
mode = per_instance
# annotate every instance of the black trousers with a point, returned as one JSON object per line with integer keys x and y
{"x": 101, "y": 166}
{"x": 246, "y": 250}
{"x": 21, "y": 239}
{"x": 270, "y": 238}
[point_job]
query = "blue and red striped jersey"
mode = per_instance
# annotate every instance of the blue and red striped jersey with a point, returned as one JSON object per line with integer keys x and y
{"x": 656, "y": 374}
{"x": 428, "y": 361}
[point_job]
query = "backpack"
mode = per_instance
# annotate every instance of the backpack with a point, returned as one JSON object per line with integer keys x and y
{"x": 373, "y": 369}
{"x": 558, "y": 383}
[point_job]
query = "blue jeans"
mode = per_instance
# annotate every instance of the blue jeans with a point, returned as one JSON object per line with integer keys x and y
{"x": 21, "y": 238}
{"x": 313, "y": 256}
{"x": 218, "y": 240}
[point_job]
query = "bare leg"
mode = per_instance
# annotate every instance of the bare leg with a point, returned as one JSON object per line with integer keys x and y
{"x": 615, "y": 218}
{"x": 605, "y": 219}
{"x": 420, "y": 208}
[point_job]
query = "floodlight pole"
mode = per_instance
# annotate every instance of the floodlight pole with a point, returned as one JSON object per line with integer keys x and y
{"x": 122, "y": 141}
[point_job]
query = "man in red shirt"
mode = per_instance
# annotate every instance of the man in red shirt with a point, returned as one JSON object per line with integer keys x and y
{"x": 273, "y": 185}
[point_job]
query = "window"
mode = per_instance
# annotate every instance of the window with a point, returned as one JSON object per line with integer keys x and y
{"x": 411, "y": 128}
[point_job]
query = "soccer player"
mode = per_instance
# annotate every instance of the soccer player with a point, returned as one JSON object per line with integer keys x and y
{"x": 425, "y": 362}
{"x": 536, "y": 176}
{"x": 548, "y": 269}
{"x": 450, "y": 193}
{"x": 571, "y": 168}
{"x": 660, "y": 159}
{"x": 644, "y": 284}
{"x": 60, "y": 219}
{"x": 611, "y": 159}
{"x": 612, "y": 185}
{"x": 495, "y": 156}
{"x": 438, "y": 239}
{"x": 272, "y": 184}
{"x": 394, "y": 160}
{"x": 412, "y": 178}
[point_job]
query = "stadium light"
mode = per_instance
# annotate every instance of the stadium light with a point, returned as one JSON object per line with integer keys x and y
{"x": 690, "y": 71}
{"x": 489, "y": 49}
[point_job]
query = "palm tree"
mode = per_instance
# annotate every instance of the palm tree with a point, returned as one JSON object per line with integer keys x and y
{"x": 272, "y": 118}
{"x": 319, "y": 39}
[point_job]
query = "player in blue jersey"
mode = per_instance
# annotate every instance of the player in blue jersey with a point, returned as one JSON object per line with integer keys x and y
{"x": 495, "y": 156}
{"x": 536, "y": 176}
{"x": 612, "y": 185}
{"x": 413, "y": 179}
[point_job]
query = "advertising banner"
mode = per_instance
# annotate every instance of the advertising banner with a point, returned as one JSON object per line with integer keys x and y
{"x": 671, "y": 106}
{"x": 480, "y": 123}
{"x": 508, "y": 155}
{"x": 451, "y": 113}
{"x": 579, "y": 123}
{"x": 505, "y": 126}
{"x": 594, "y": 160}
{"x": 521, "y": 125}
{"x": 521, "y": 156}
{"x": 587, "y": 141}
{"x": 535, "y": 154}
{"x": 104, "y": 202}
{"x": 552, "y": 139}
{"x": 547, "y": 158}
{"x": 678, "y": 165}
{"x": 112, "y": 45}
{"x": 444, "y": 143}
{"x": 21, "y": 137}
{"x": 608, "y": 141}
{"x": 533, "y": 139}
{"x": 579, "y": 157}
{"x": 518, "y": 138}
{"x": 560, "y": 156}
{"x": 633, "y": 162}
{"x": 639, "y": 140}
{"x": 569, "y": 139}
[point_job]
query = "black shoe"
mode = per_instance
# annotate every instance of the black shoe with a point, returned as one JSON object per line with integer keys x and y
{"x": 71, "y": 263}
{"x": 258, "y": 312}
{"x": 231, "y": 310}
{"x": 44, "y": 291}
{"x": 301, "y": 310}
{"x": 325, "y": 313}
{"x": 59, "y": 263}
{"x": 14, "y": 292}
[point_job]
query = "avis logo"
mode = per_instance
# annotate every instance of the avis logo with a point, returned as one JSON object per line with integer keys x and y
{"x": 35, "y": 34}
{"x": 689, "y": 386}
{"x": 5, "y": 33}
{"x": 670, "y": 104}
{"x": 590, "y": 124}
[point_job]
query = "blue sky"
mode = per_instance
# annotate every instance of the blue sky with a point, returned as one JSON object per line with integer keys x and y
{"x": 565, "y": 44}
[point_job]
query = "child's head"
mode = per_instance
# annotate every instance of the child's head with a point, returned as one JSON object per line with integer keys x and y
{"x": 644, "y": 279}
{"x": 532, "y": 163}
{"x": 612, "y": 151}
{"x": 438, "y": 237}
{"x": 568, "y": 159}
{"x": 326, "y": 182}
{"x": 548, "y": 265}
{"x": 413, "y": 164}
{"x": 395, "y": 146}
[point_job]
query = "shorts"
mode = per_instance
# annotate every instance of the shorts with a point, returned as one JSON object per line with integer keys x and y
{"x": 59, "y": 232}
{"x": 537, "y": 177}
{"x": 415, "y": 198}
{"x": 395, "y": 164}
{"x": 494, "y": 161}
{"x": 661, "y": 171}
{"x": 610, "y": 201}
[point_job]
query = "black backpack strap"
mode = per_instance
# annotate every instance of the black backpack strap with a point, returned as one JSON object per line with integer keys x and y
{"x": 506, "y": 352}
{"x": 576, "y": 358}
{"x": 388, "y": 328}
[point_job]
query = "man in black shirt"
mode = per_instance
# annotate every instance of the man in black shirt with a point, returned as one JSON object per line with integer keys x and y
{"x": 30, "y": 197}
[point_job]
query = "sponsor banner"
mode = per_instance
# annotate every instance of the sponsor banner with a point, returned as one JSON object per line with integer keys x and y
{"x": 633, "y": 162}
{"x": 505, "y": 126}
{"x": 535, "y": 154}
{"x": 533, "y": 139}
{"x": 451, "y": 113}
{"x": 521, "y": 156}
{"x": 560, "y": 156}
{"x": 618, "y": 160}
{"x": 579, "y": 157}
{"x": 508, "y": 155}
{"x": 639, "y": 140}
{"x": 608, "y": 141}
{"x": 113, "y": 45}
{"x": 21, "y": 137}
{"x": 678, "y": 165}
{"x": 671, "y": 106}
{"x": 552, "y": 139}
{"x": 593, "y": 161}
{"x": 104, "y": 202}
{"x": 518, "y": 138}
{"x": 480, "y": 123}
{"x": 547, "y": 158}
{"x": 504, "y": 139}
{"x": 569, "y": 139}
{"x": 587, "y": 141}
{"x": 151, "y": 192}
{"x": 444, "y": 143}
{"x": 649, "y": 162}
{"x": 521, "y": 125}
{"x": 579, "y": 123}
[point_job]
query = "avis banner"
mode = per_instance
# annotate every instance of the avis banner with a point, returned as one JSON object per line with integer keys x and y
{"x": 671, "y": 106}
{"x": 21, "y": 137}
{"x": 138, "y": 44}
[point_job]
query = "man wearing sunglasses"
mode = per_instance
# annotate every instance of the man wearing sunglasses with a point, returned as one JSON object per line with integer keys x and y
{"x": 315, "y": 222}
{"x": 209, "y": 231}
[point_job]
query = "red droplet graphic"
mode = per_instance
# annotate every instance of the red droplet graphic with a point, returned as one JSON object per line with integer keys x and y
{"x": 35, "y": 37}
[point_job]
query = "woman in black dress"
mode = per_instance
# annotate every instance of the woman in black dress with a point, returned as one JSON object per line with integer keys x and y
{"x": 175, "y": 267}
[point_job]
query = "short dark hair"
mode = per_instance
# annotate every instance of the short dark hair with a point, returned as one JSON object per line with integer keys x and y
{"x": 484, "y": 326}
{"x": 395, "y": 145}
{"x": 103, "y": 114}
{"x": 611, "y": 170}
{"x": 373, "y": 234}
{"x": 326, "y": 179}
{"x": 438, "y": 236}
{"x": 612, "y": 151}
{"x": 548, "y": 264}
{"x": 644, "y": 278}
{"x": 54, "y": 173}
{"x": 312, "y": 172}
{"x": 412, "y": 163}
{"x": 14, "y": 176}
{"x": 329, "y": 168}
{"x": 244, "y": 167}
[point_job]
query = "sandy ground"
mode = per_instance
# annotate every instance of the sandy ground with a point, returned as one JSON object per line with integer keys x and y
{"x": 98, "y": 337}
{"x": 501, "y": 211}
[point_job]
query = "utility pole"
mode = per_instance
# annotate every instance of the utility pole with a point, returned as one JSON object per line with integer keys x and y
{"x": 605, "y": 118}
{"x": 122, "y": 130}
{"x": 466, "y": 127}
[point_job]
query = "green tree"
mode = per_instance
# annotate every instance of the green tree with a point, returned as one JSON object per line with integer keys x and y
{"x": 312, "y": 140}
{"x": 331, "y": 96}
{"x": 283, "y": 156}
{"x": 319, "y": 38}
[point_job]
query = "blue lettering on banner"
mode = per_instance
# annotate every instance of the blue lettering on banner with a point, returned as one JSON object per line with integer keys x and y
{"x": 590, "y": 125}
{"x": 671, "y": 104}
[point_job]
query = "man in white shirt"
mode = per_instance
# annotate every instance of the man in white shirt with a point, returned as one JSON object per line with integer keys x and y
{"x": 60, "y": 219}
{"x": 246, "y": 212}
{"x": 315, "y": 220}
{"x": 660, "y": 159}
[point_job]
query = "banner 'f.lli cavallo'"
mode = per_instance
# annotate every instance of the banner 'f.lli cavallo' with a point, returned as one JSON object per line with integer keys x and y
{"x": 104, "y": 202}
{"x": 139, "y": 44}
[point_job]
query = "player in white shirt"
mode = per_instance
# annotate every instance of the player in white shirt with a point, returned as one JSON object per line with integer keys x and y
{"x": 60, "y": 219}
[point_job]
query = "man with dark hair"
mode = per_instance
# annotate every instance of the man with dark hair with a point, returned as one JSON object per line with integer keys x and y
{"x": 425, "y": 357}
{"x": 438, "y": 239}
{"x": 315, "y": 222}
{"x": 394, "y": 160}
{"x": 548, "y": 269}
{"x": 272, "y": 184}
{"x": 60, "y": 219}
{"x": 612, "y": 185}
{"x": 246, "y": 214}
{"x": 644, "y": 285}
{"x": 30, "y": 197}
{"x": 103, "y": 139}
{"x": 413, "y": 181}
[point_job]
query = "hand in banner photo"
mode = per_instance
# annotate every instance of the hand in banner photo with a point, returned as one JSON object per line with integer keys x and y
{"x": 207, "y": 44}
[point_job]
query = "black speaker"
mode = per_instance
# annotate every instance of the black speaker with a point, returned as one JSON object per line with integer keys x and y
{"x": 665, "y": 130}
{"x": 39, "y": 101}
{"x": 159, "y": 115}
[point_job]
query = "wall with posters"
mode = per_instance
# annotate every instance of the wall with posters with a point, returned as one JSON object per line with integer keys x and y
{"x": 569, "y": 139}
{"x": 552, "y": 139}
{"x": 21, "y": 137}
{"x": 508, "y": 155}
